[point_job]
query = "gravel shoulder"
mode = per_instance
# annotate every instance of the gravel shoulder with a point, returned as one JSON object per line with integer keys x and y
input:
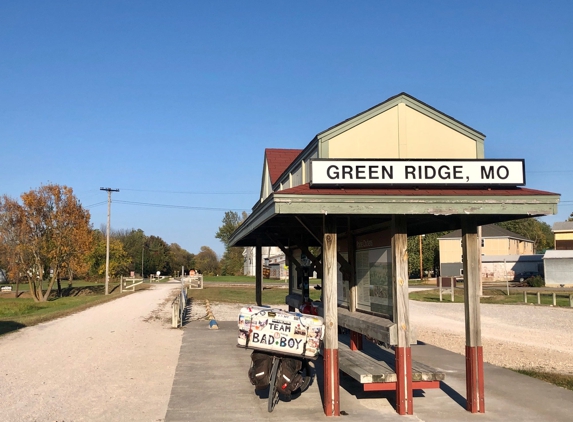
{"x": 115, "y": 361}
{"x": 513, "y": 336}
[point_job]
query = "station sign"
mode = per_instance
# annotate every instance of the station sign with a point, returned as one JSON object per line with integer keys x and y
{"x": 369, "y": 173}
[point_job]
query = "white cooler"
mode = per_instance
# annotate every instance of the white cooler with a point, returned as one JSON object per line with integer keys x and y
{"x": 279, "y": 331}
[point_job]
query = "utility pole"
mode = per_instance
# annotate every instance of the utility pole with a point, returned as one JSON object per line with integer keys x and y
{"x": 109, "y": 191}
{"x": 421, "y": 270}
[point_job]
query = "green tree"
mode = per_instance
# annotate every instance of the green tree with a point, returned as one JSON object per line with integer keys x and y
{"x": 156, "y": 256}
{"x": 133, "y": 242}
{"x": 533, "y": 229}
{"x": 570, "y": 217}
{"x": 179, "y": 257}
{"x": 232, "y": 261}
{"x": 118, "y": 259}
{"x": 430, "y": 254}
{"x": 206, "y": 261}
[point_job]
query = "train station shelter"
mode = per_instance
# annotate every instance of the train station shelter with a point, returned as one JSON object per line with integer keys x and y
{"x": 357, "y": 191}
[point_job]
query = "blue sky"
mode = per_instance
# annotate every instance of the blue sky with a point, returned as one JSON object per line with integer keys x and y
{"x": 173, "y": 102}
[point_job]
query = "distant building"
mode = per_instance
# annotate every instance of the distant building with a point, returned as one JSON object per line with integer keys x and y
{"x": 563, "y": 232}
{"x": 270, "y": 254}
{"x": 558, "y": 268}
{"x": 497, "y": 244}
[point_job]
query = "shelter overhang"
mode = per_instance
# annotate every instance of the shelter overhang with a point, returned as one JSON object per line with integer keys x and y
{"x": 428, "y": 209}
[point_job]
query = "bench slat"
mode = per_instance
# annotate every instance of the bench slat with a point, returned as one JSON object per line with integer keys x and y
{"x": 377, "y": 364}
{"x": 378, "y": 328}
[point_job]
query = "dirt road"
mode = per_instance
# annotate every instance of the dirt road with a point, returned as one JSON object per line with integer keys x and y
{"x": 111, "y": 362}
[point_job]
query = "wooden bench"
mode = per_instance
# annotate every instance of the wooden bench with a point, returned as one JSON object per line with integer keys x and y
{"x": 372, "y": 365}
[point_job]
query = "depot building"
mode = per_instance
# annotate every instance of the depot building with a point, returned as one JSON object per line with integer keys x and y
{"x": 357, "y": 190}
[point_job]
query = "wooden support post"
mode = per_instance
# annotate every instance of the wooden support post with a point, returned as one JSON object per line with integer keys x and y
{"x": 259, "y": 272}
{"x": 352, "y": 285}
{"x": 554, "y": 300}
{"x": 404, "y": 391}
{"x": 329, "y": 290}
{"x": 525, "y": 296}
{"x": 474, "y": 351}
{"x": 538, "y": 298}
{"x": 440, "y": 286}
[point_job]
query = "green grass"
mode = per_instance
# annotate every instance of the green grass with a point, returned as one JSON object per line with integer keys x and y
{"x": 235, "y": 294}
{"x": 490, "y": 296}
{"x": 561, "y": 380}
{"x": 25, "y": 287}
{"x": 238, "y": 279}
{"x": 23, "y": 312}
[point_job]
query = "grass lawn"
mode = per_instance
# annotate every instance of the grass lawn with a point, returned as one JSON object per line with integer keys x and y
{"x": 23, "y": 311}
{"x": 235, "y": 294}
{"x": 239, "y": 279}
{"x": 561, "y": 380}
{"x": 490, "y": 296}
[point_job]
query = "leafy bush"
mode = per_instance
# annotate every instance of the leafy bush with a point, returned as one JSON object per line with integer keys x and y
{"x": 535, "y": 281}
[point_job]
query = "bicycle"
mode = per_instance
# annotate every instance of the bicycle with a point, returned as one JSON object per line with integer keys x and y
{"x": 307, "y": 373}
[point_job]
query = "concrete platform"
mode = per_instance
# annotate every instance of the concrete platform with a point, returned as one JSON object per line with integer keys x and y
{"x": 211, "y": 383}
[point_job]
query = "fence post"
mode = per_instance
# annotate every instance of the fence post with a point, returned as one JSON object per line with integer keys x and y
{"x": 453, "y": 283}
{"x": 539, "y": 298}
{"x": 525, "y": 297}
{"x": 440, "y": 284}
{"x": 571, "y": 301}
{"x": 554, "y": 299}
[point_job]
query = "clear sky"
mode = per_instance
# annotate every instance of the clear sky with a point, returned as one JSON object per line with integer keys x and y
{"x": 173, "y": 102}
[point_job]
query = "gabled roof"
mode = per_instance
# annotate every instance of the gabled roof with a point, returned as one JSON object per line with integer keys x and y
{"x": 563, "y": 226}
{"x": 491, "y": 230}
{"x": 408, "y": 99}
{"x": 278, "y": 160}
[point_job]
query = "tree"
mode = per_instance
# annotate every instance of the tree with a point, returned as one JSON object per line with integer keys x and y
{"x": 570, "y": 217}
{"x": 133, "y": 241}
{"x": 51, "y": 234}
{"x": 157, "y": 256}
{"x": 533, "y": 229}
{"x": 206, "y": 261}
{"x": 179, "y": 257}
{"x": 118, "y": 259}
{"x": 232, "y": 261}
{"x": 430, "y": 253}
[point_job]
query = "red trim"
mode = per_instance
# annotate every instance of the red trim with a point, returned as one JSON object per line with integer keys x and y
{"x": 331, "y": 396}
{"x": 355, "y": 340}
{"x": 404, "y": 392}
{"x": 474, "y": 380}
{"x": 391, "y": 386}
{"x": 412, "y": 191}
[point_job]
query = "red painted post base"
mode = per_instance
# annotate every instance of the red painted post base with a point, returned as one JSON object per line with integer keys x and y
{"x": 474, "y": 380}
{"x": 331, "y": 383}
{"x": 404, "y": 392}
{"x": 355, "y": 340}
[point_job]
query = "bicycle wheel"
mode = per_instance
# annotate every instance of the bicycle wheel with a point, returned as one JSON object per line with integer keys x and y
{"x": 273, "y": 392}
{"x": 307, "y": 373}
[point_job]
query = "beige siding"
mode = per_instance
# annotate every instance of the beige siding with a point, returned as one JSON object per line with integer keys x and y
{"x": 564, "y": 236}
{"x": 451, "y": 249}
{"x": 427, "y": 138}
{"x": 401, "y": 132}
{"x": 374, "y": 138}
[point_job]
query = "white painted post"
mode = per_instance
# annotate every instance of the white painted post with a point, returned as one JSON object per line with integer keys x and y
{"x": 554, "y": 299}
{"x": 403, "y": 352}
{"x": 329, "y": 290}
{"x": 525, "y": 296}
{"x": 474, "y": 350}
{"x": 440, "y": 286}
{"x": 539, "y": 298}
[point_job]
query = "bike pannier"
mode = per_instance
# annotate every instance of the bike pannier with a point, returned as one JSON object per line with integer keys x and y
{"x": 260, "y": 370}
{"x": 289, "y": 379}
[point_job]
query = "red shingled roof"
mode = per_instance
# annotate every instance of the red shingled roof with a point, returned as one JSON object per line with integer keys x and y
{"x": 278, "y": 161}
{"x": 398, "y": 191}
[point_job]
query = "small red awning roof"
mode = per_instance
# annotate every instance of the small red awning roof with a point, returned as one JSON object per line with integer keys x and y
{"x": 278, "y": 160}
{"x": 411, "y": 191}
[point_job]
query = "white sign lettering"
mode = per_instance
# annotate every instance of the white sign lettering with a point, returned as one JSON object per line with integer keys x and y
{"x": 417, "y": 172}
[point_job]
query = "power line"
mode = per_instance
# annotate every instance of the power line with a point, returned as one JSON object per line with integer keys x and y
{"x": 192, "y": 192}
{"x": 184, "y": 207}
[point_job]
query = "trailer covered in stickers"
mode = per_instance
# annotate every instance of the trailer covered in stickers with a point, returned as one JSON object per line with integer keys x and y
{"x": 278, "y": 331}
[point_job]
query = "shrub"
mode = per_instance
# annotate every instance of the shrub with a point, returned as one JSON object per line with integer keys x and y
{"x": 535, "y": 281}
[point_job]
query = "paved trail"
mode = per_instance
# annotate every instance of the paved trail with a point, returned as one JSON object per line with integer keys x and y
{"x": 111, "y": 362}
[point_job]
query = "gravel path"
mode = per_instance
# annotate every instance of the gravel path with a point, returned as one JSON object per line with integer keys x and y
{"x": 112, "y": 362}
{"x": 513, "y": 336}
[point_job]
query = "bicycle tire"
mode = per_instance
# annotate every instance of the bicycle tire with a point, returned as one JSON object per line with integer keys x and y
{"x": 307, "y": 376}
{"x": 273, "y": 392}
